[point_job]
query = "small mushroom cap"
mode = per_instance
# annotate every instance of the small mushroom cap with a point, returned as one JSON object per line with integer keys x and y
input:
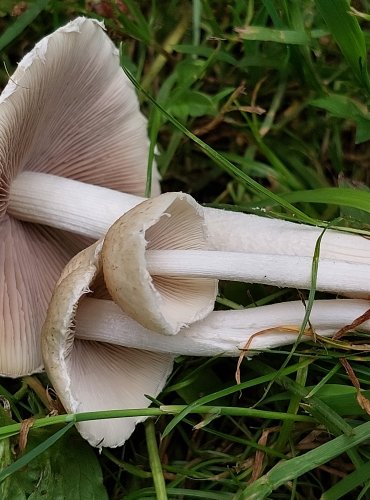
{"x": 68, "y": 110}
{"x": 95, "y": 376}
{"x": 171, "y": 221}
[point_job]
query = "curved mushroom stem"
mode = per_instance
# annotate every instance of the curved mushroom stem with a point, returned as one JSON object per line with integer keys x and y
{"x": 224, "y": 333}
{"x": 90, "y": 211}
{"x": 277, "y": 270}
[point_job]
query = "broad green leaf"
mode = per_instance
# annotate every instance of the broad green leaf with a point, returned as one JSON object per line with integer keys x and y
{"x": 68, "y": 470}
{"x": 363, "y": 130}
{"x": 341, "y": 106}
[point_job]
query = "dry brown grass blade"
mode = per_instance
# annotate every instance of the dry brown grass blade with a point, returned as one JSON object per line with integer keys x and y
{"x": 294, "y": 330}
{"x": 23, "y": 434}
{"x": 355, "y": 323}
{"x": 259, "y": 457}
{"x": 361, "y": 399}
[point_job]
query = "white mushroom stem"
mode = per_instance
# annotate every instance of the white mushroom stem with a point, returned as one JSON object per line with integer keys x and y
{"x": 224, "y": 333}
{"x": 67, "y": 204}
{"x": 90, "y": 210}
{"x": 277, "y": 270}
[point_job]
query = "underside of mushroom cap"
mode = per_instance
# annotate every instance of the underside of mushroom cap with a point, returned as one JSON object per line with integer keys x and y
{"x": 70, "y": 110}
{"x": 96, "y": 376}
{"x": 31, "y": 258}
{"x": 171, "y": 221}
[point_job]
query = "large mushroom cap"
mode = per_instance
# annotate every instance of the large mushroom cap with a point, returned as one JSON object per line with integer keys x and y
{"x": 171, "y": 221}
{"x": 93, "y": 376}
{"x": 31, "y": 258}
{"x": 68, "y": 110}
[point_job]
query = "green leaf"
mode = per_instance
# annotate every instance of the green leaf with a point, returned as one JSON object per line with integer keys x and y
{"x": 192, "y": 103}
{"x": 260, "y": 33}
{"x": 348, "y": 483}
{"x": 344, "y": 107}
{"x": 66, "y": 470}
{"x": 340, "y": 106}
{"x": 363, "y": 130}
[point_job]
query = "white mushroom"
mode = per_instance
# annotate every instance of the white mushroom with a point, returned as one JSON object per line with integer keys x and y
{"x": 36, "y": 139}
{"x": 98, "y": 358}
{"x": 153, "y": 265}
{"x": 68, "y": 110}
{"x": 89, "y": 375}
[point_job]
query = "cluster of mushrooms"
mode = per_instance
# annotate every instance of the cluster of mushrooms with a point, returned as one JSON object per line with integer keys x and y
{"x": 104, "y": 288}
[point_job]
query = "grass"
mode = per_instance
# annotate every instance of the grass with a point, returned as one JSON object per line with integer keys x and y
{"x": 258, "y": 106}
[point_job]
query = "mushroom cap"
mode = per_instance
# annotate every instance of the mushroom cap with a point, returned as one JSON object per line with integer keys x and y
{"x": 171, "y": 221}
{"x": 95, "y": 376}
{"x": 68, "y": 110}
{"x": 30, "y": 261}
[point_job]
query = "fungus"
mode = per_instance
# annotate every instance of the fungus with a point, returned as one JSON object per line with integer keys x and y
{"x": 69, "y": 110}
{"x": 155, "y": 264}
{"x": 89, "y": 375}
{"x": 98, "y": 358}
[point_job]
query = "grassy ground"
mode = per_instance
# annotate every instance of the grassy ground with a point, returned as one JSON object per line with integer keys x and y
{"x": 280, "y": 90}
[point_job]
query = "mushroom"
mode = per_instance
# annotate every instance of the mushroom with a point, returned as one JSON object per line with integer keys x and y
{"x": 154, "y": 265}
{"x": 89, "y": 375}
{"x": 34, "y": 190}
{"x": 69, "y": 110}
{"x": 161, "y": 303}
{"x": 98, "y": 358}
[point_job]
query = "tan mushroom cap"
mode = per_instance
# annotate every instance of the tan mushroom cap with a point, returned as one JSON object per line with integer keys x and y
{"x": 68, "y": 110}
{"x": 95, "y": 376}
{"x": 171, "y": 221}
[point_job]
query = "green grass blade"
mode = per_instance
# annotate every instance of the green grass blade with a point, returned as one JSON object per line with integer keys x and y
{"x": 348, "y": 483}
{"x": 155, "y": 461}
{"x": 272, "y": 35}
{"x": 25, "y": 459}
{"x": 222, "y": 161}
{"x": 348, "y": 35}
{"x": 294, "y": 468}
{"x": 230, "y": 390}
{"x": 346, "y": 197}
{"x": 22, "y": 22}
